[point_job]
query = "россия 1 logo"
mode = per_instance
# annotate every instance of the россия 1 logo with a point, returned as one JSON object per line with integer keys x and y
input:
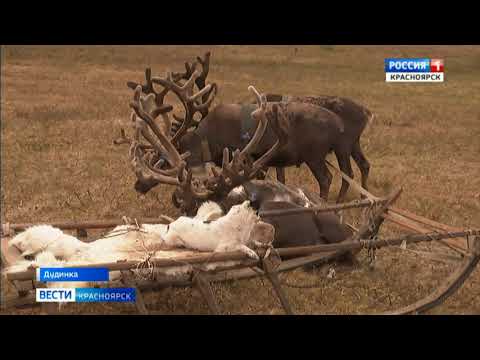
{"x": 414, "y": 70}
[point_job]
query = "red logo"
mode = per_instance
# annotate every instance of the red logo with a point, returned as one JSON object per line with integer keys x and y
{"x": 436, "y": 65}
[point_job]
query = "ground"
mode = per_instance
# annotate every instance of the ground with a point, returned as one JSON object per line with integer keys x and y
{"x": 62, "y": 106}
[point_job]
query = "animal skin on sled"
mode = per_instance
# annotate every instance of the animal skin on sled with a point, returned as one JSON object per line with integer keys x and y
{"x": 208, "y": 231}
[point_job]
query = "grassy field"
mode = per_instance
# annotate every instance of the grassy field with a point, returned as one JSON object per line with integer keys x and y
{"x": 61, "y": 107}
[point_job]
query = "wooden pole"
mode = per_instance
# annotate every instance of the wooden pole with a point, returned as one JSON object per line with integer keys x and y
{"x": 272, "y": 276}
{"x": 203, "y": 285}
{"x": 405, "y": 223}
{"x": 320, "y": 209}
{"x": 458, "y": 245}
{"x": 352, "y": 183}
{"x": 433, "y": 224}
{"x": 397, "y": 218}
{"x": 86, "y": 224}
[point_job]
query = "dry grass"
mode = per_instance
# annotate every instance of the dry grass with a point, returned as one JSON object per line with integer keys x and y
{"x": 61, "y": 106}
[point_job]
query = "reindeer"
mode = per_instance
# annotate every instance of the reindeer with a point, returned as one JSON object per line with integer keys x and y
{"x": 356, "y": 118}
{"x": 239, "y": 125}
{"x": 307, "y": 228}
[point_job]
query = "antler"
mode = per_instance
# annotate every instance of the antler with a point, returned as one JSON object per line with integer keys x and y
{"x": 241, "y": 168}
{"x": 205, "y": 62}
{"x": 154, "y": 102}
{"x": 190, "y": 69}
{"x": 177, "y": 174}
{"x": 207, "y": 92}
{"x": 144, "y": 119}
{"x": 148, "y": 87}
{"x": 188, "y": 99}
{"x": 200, "y": 81}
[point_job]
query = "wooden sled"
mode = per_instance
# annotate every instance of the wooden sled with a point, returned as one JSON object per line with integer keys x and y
{"x": 466, "y": 242}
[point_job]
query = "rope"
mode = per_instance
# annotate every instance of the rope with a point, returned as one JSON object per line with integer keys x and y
{"x": 145, "y": 269}
{"x": 370, "y": 212}
{"x": 370, "y": 246}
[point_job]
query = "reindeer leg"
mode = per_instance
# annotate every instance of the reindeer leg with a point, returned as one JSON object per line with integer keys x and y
{"x": 343, "y": 158}
{"x": 362, "y": 163}
{"x": 323, "y": 176}
{"x": 280, "y": 174}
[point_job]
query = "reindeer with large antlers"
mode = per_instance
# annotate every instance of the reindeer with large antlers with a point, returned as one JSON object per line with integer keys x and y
{"x": 355, "y": 118}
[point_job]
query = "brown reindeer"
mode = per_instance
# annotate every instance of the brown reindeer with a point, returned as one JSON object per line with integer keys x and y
{"x": 356, "y": 118}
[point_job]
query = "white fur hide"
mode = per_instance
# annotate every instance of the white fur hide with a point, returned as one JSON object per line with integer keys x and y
{"x": 228, "y": 233}
{"x": 42, "y": 237}
{"x": 208, "y": 231}
{"x": 209, "y": 211}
